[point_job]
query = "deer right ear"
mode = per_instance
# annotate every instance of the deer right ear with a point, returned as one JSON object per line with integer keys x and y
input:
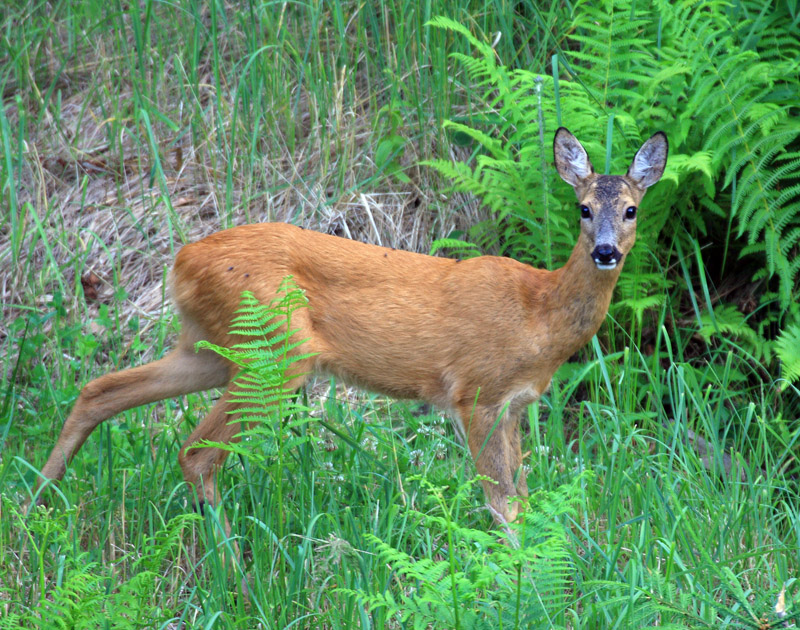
{"x": 572, "y": 161}
{"x": 650, "y": 160}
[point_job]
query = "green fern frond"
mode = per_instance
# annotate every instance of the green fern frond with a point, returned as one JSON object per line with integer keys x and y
{"x": 457, "y": 247}
{"x": 532, "y": 212}
{"x": 265, "y": 359}
{"x": 726, "y": 321}
{"x": 490, "y": 144}
{"x": 483, "y": 583}
{"x": 717, "y": 94}
{"x": 613, "y": 53}
{"x": 507, "y": 174}
{"x": 787, "y": 348}
{"x": 451, "y": 25}
{"x": 747, "y": 130}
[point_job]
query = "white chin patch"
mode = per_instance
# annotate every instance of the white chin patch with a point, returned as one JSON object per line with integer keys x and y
{"x": 605, "y": 266}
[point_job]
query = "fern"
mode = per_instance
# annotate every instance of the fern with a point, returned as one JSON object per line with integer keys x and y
{"x": 727, "y": 321}
{"x": 264, "y": 357}
{"x": 641, "y": 292}
{"x": 484, "y": 583}
{"x": 533, "y": 211}
{"x": 787, "y": 347}
{"x": 613, "y": 52}
{"x": 721, "y": 81}
{"x": 262, "y": 395}
{"x": 464, "y": 249}
{"x": 658, "y": 603}
{"x": 731, "y": 101}
{"x": 80, "y": 597}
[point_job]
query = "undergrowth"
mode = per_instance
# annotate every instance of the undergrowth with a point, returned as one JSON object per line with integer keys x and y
{"x": 662, "y": 463}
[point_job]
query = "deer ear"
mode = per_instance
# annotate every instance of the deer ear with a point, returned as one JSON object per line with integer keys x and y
{"x": 572, "y": 161}
{"x": 649, "y": 162}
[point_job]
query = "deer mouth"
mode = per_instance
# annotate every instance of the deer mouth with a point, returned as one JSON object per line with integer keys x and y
{"x": 605, "y": 266}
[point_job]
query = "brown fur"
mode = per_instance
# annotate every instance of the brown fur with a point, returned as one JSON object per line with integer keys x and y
{"x": 481, "y": 337}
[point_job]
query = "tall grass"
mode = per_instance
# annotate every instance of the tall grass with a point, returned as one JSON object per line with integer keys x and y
{"x": 131, "y": 128}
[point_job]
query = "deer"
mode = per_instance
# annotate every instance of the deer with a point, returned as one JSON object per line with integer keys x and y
{"x": 481, "y": 337}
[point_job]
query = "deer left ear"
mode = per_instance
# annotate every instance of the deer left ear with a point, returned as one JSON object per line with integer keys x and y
{"x": 572, "y": 161}
{"x": 650, "y": 160}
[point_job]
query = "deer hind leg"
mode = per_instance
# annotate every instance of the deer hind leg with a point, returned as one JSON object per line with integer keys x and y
{"x": 201, "y": 463}
{"x": 515, "y": 448}
{"x": 182, "y": 371}
{"x": 495, "y": 447}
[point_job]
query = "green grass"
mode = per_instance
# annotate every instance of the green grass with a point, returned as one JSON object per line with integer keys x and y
{"x": 129, "y": 129}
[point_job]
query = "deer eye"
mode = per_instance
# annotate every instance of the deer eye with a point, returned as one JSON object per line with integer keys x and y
{"x": 585, "y": 212}
{"x": 630, "y": 213}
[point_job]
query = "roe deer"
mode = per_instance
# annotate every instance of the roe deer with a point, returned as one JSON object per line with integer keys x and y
{"x": 481, "y": 337}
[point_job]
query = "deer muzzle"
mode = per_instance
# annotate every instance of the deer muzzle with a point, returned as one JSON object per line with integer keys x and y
{"x": 606, "y": 256}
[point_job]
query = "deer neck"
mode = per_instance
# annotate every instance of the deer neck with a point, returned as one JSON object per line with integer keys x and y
{"x": 579, "y": 299}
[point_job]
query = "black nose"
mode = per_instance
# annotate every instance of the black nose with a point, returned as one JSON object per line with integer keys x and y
{"x": 606, "y": 255}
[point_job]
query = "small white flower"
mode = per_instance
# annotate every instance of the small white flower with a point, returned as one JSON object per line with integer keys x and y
{"x": 416, "y": 457}
{"x": 424, "y": 430}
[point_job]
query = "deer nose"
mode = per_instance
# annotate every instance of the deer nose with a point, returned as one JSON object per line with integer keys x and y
{"x": 606, "y": 256}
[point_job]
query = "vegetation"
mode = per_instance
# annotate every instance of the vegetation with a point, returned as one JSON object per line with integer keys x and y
{"x": 663, "y": 461}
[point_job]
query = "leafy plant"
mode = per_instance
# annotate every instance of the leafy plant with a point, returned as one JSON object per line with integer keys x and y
{"x": 259, "y": 392}
{"x": 86, "y": 593}
{"x": 787, "y": 347}
{"x": 726, "y": 321}
{"x": 520, "y": 580}
{"x": 391, "y": 142}
{"x": 509, "y": 174}
{"x": 533, "y": 211}
{"x": 271, "y": 415}
{"x": 739, "y": 90}
{"x": 265, "y": 356}
{"x": 722, "y": 81}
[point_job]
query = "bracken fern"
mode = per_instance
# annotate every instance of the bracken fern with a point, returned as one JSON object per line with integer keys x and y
{"x": 615, "y": 52}
{"x": 484, "y": 583}
{"x": 739, "y": 100}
